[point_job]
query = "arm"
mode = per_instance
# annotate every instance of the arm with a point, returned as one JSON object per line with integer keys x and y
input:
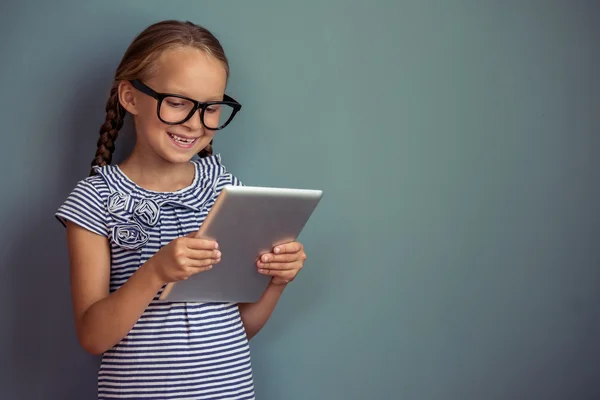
{"x": 283, "y": 264}
{"x": 102, "y": 320}
{"x": 255, "y": 315}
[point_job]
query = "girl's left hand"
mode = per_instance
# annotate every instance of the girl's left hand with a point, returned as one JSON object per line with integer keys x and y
{"x": 284, "y": 263}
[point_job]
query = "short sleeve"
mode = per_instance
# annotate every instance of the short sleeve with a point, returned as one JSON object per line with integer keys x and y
{"x": 85, "y": 207}
{"x": 235, "y": 181}
{"x": 226, "y": 178}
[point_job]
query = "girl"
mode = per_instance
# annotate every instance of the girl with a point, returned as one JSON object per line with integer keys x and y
{"x": 131, "y": 228}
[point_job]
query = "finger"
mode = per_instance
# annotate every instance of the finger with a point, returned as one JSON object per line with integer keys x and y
{"x": 284, "y": 275}
{"x": 204, "y": 254}
{"x": 202, "y": 269}
{"x": 195, "y": 270}
{"x": 288, "y": 248}
{"x": 207, "y": 262}
{"x": 201, "y": 244}
{"x": 269, "y": 257}
{"x": 191, "y": 271}
{"x": 280, "y": 266}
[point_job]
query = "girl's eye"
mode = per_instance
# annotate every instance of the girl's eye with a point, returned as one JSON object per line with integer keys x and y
{"x": 213, "y": 109}
{"x": 174, "y": 103}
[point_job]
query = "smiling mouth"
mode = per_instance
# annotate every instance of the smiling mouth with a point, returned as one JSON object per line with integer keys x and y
{"x": 182, "y": 141}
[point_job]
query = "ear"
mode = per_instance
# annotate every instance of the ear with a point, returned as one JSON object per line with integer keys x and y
{"x": 128, "y": 97}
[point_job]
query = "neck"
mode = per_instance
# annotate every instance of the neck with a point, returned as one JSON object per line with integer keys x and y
{"x": 155, "y": 173}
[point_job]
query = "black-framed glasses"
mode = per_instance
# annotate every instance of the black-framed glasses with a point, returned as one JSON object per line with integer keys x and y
{"x": 174, "y": 109}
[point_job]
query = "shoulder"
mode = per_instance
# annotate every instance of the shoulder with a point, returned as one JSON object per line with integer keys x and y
{"x": 217, "y": 173}
{"x": 93, "y": 188}
{"x": 85, "y": 205}
{"x": 94, "y": 184}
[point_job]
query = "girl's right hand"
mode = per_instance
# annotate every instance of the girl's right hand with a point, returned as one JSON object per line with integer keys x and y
{"x": 184, "y": 257}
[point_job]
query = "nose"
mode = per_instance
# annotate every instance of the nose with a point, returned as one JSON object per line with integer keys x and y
{"x": 194, "y": 123}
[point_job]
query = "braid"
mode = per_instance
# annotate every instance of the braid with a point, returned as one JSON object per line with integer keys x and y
{"x": 109, "y": 131}
{"x": 207, "y": 151}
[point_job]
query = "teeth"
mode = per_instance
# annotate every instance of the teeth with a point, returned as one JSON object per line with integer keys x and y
{"x": 181, "y": 140}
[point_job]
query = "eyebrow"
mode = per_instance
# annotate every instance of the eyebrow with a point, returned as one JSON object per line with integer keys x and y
{"x": 181, "y": 92}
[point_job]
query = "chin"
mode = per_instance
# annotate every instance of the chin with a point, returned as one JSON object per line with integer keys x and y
{"x": 179, "y": 158}
{"x": 176, "y": 157}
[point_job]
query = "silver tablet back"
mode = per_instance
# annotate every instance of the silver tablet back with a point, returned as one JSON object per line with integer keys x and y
{"x": 246, "y": 221}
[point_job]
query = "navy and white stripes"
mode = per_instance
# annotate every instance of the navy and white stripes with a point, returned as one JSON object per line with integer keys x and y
{"x": 175, "y": 350}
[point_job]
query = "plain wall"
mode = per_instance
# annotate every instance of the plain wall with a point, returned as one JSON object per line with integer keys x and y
{"x": 456, "y": 252}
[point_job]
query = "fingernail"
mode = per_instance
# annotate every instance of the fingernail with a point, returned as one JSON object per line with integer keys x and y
{"x": 210, "y": 267}
{"x": 277, "y": 250}
{"x": 262, "y": 271}
{"x": 218, "y": 254}
{"x": 265, "y": 258}
{"x": 216, "y": 245}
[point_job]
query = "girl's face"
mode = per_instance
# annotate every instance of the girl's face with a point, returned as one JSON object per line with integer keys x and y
{"x": 183, "y": 71}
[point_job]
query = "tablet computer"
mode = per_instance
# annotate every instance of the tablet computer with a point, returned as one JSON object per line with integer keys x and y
{"x": 246, "y": 221}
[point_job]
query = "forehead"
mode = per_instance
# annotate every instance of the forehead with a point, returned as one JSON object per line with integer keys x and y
{"x": 189, "y": 72}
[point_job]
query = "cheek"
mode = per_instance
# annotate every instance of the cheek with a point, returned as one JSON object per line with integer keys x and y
{"x": 205, "y": 140}
{"x": 147, "y": 122}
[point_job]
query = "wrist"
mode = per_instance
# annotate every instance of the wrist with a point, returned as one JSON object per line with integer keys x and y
{"x": 279, "y": 286}
{"x": 148, "y": 269}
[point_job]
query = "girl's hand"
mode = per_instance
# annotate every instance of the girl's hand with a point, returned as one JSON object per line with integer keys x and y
{"x": 284, "y": 263}
{"x": 184, "y": 257}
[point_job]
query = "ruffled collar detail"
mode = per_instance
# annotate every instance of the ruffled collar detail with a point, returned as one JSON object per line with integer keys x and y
{"x": 136, "y": 209}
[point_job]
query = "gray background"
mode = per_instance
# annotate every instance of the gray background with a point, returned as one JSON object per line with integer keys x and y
{"x": 455, "y": 254}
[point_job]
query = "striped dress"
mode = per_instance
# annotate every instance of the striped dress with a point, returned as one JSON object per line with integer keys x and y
{"x": 175, "y": 350}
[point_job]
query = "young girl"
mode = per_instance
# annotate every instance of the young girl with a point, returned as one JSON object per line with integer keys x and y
{"x": 131, "y": 229}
